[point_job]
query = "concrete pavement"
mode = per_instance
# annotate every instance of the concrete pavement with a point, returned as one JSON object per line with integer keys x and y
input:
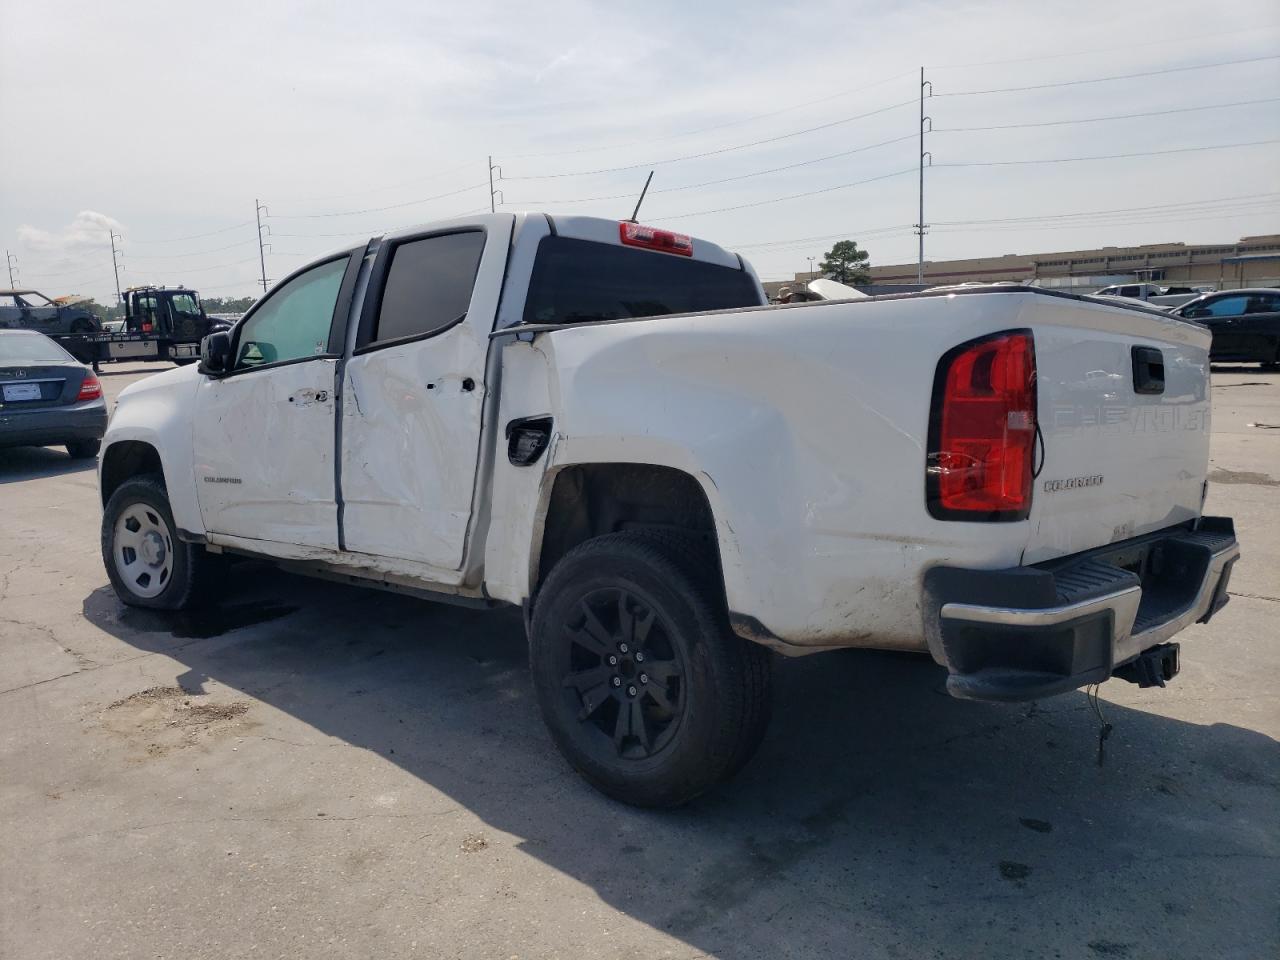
{"x": 313, "y": 770}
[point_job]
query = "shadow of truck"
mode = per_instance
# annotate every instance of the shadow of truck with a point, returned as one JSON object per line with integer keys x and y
{"x": 878, "y": 812}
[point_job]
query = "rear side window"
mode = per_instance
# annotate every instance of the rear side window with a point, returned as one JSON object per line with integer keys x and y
{"x": 580, "y": 280}
{"x": 428, "y": 285}
{"x": 1232, "y": 306}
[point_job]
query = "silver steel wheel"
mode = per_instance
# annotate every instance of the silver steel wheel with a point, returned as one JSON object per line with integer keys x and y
{"x": 142, "y": 549}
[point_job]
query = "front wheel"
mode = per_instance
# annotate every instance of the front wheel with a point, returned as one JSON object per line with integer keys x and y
{"x": 646, "y": 690}
{"x": 146, "y": 562}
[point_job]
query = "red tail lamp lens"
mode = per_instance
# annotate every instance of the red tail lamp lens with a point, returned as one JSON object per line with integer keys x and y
{"x": 983, "y": 430}
{"x": 90, "y": 388}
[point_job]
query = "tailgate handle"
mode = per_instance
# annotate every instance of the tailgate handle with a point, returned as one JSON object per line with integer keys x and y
{"x": 1148, "y": 370}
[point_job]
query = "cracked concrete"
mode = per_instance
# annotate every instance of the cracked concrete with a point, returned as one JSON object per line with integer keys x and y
{"x": 377, "y": 783}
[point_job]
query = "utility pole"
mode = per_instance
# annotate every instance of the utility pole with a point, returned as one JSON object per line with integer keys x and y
{"x": 115, "y": 262}
{"x": 810, "y": 259}
{"x": 259, "y": 209}
{"x": 12, "y": 262}
{"x": 921, "y": 226}
{"x": 495, "y": 196}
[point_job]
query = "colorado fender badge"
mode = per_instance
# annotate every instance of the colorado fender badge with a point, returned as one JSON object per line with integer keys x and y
{"x": 1072, "y": 483}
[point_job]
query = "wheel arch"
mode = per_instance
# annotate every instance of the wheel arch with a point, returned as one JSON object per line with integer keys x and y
{"x": 586, "y": 500}
{"x": 124, "y": 459}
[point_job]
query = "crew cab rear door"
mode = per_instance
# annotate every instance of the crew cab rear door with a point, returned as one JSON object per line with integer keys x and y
{"x": 414, "y": 390}
{"x": 264, "y": 434}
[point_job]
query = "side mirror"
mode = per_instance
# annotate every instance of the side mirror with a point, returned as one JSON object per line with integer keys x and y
{"x": 215, "y": 354}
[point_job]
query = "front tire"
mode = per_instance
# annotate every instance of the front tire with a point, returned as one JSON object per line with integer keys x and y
{"x": 146, "y": 562}
{"x": 646, "y": 690}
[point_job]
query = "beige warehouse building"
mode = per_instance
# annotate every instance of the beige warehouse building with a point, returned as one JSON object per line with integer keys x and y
{"x": 1250, "y": 262}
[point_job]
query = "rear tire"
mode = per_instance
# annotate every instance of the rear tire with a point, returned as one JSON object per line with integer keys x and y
{"x": 83, "y": 449}
{"x": 146, "y": 562}
{"x": 646, "y": 690}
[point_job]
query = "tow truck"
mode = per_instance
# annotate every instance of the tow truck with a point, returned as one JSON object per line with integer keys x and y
{"x": 160, "y": 323}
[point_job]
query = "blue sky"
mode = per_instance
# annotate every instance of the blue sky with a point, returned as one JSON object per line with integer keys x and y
{"x": 165, "y": 121}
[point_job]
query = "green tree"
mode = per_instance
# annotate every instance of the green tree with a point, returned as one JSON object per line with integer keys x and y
{"x": 845, "y": 263}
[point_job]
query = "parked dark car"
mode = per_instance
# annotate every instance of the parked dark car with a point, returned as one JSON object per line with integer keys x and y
{"x": 47, "y": 397}
{"x": 1245, "y": 324}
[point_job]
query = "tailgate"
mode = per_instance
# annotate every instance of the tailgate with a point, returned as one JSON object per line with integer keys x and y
{"x": 1123, "y": 456}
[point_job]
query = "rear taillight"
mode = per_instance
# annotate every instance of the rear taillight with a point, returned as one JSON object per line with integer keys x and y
{"x": 982, "y": 430}
{"x": 634, "y": 235}
{"x": 90, "y": 388}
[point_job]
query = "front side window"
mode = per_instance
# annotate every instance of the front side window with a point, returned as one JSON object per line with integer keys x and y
{"x": 294, "y": 321}
{"x": 185, "y": 303}
{"x": 32, "y": 299}
{"x": 428, "y": 285}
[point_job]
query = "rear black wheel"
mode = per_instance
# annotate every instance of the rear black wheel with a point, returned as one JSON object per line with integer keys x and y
{"x": 646, "y": 690}
{"x": 83, "y": 449}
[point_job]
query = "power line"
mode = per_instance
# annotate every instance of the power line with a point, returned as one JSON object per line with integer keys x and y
{"x": 1108, "y": 156}
{"x": 741, "y": 176}
{"x": 1118, "y": 116}
{"x": 197, "y": 236}
{"x": 426, "y": 178}
{"x": 1238, "y": 198}
{"x": 719, "y": 126}
{"x": 220, "y": 266}
{"x": 1087, "y": 213}
{"x": 194, "y": 253}
{"x": 1122, "y": 76}
{"x": 393, "y": 206}
{"x": 1226, "y": 215}
{"x": 713, "y": 153}
{"x": 794, "y": 196}
{"x": 1196, "y": 38}
{"x": 829, "y": 236}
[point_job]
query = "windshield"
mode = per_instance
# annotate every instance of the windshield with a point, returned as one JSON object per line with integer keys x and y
{"x": 581, "y": 280}
{"x": 32, "y": 299}
{"x": 23, "y": 347}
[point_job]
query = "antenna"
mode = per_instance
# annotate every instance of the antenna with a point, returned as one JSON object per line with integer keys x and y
{"x": 636, "y": 212}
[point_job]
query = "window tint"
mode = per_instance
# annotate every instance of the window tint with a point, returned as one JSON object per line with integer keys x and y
{"x": 294, "y": 321}
{"x": 1224, "y": 307}
{"x": 579, "y": 280}
{"x": 1263, "y": 303}
{"x": 428, "y": 285}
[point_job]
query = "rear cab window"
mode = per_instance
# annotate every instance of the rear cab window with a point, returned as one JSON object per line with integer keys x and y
{"x": 577, "y": 281}
{"x": 429, "y": 286}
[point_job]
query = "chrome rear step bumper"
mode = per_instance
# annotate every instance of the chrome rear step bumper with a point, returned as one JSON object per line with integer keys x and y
{"x": 1032, "y": 632}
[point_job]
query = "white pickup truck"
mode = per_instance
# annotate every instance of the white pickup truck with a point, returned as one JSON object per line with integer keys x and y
{"x": 605, "y": 424}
